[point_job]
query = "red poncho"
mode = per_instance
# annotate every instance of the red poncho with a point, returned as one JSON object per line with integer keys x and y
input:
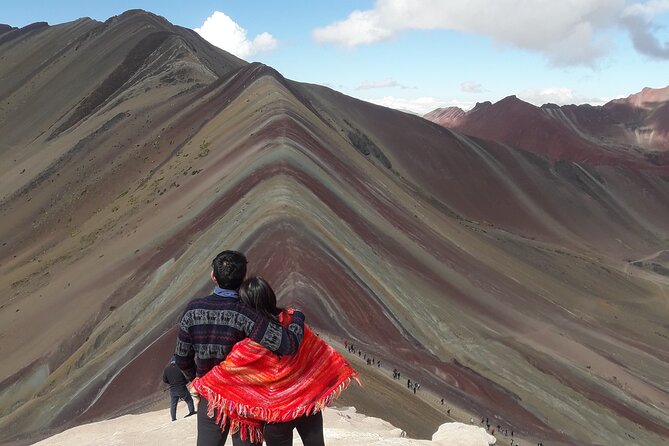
{"x": 253, "y": 386}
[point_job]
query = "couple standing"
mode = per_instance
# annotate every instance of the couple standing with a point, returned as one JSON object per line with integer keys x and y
{"x": 259, "y": 371}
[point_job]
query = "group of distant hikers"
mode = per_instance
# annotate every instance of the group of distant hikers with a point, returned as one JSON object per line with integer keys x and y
{"x": 259, "y": 371}
{"x": 369, "y": 359}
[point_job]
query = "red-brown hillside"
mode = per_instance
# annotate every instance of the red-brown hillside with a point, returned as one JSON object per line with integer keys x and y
{"x": 631, "y": 131}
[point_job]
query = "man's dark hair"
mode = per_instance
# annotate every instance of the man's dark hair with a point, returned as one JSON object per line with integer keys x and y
{"x": 229, "y": 269}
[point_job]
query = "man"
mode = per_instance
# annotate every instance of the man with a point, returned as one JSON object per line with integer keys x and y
{"x": 210, "y": 327}
{"x": 173, "y": 376}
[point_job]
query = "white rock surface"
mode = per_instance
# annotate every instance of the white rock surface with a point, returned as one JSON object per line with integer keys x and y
{"x": 343, "y": 427}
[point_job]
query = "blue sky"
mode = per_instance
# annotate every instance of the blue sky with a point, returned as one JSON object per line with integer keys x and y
{"x": 423, "y": 54}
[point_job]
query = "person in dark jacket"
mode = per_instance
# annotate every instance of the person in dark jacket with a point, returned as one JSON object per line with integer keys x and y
{"x": 210, "y": 326}
{"x": 173, "y": 376}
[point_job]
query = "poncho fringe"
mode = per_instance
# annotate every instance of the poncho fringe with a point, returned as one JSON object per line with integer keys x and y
{"x": 249, "y": 421}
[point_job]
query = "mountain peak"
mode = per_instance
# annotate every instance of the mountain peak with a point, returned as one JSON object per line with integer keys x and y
{"x": 8, "y": 33}
{"x": 141, "y": 16}
{"x": 646, "y": 97}
{"x": 447, "y": 116}
{"x": 511, "y": 97}
{"x": 5, "y": 28}
{"x": 481, "y": 106}
{"x": 513, "y": 100}
{"x": 444, "y": 112}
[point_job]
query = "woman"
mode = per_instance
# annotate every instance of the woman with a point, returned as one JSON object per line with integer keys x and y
{"x": 255, "y": 389}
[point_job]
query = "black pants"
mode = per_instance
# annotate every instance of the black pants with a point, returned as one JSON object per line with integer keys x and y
{"x": 309, "y": 427}
{"x": 210, "y": 434}
{"x": 175, "y": 396}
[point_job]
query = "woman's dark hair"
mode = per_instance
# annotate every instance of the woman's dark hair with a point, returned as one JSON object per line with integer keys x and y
{"x": 229, "y": 269}
{"x": 256, "y": 293}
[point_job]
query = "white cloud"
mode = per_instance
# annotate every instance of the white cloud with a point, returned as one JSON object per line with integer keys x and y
{"x": 559, "y": 96}
{"x": 385, "y": 83}
{"x": 361, "y": 27}
{"x": 648, "y": 10}
{"x": 223, "y": 32}
{"x": 638, "y": 19}
{"x": 568, "y": 32}
{"x": 419, "y": 106}
{"x": 471, "y": 87}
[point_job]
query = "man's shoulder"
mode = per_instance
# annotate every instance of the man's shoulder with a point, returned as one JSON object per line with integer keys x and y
{"x": 197, "y": 301}
{"x": 213, "y": 302}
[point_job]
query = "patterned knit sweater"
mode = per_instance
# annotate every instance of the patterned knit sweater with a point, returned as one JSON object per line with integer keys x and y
{"x": 212, "y": 325}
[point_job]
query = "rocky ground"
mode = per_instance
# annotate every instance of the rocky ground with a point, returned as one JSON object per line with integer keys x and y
{"x": 343, "y": 427}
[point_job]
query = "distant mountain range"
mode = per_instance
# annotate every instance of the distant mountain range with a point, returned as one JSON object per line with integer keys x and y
{"x": 633, "y": 131}
{"x": 511, "y": 263}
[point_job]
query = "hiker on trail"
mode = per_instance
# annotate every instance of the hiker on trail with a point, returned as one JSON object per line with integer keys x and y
{"x": 210, "y": 326}
{"x": 173, "y": 376}
{"x": 408, "y": 383}
{"x": 264, "y": 396}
